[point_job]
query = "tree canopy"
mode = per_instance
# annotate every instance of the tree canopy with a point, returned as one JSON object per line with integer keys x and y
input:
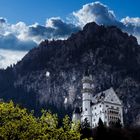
{"x": 17, "y": 123}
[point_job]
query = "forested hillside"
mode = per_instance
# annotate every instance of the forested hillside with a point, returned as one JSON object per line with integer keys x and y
{"x": 112, "y": 57}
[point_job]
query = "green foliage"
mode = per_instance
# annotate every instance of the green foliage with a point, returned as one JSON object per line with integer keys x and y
{"x": 69, "y": 132}
{"x": 18, "y": 124}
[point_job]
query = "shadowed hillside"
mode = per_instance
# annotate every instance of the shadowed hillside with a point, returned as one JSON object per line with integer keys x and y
{"x": 112, "y": 57}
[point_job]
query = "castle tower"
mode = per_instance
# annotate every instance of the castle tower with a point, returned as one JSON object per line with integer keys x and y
{"x": 87, "y": 98}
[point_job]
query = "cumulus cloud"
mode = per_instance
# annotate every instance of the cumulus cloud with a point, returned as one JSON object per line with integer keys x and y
{"x": 2, "y": 20}
{"x": 10, "y": 41}
{"x": 14, "y": 42}
{"x": 102, "y": 15}
{"x": 131, "y": 21}
{"x": 24, "y": 37}
{"x": 95, "y": 12}
{"x": 55, "y": 28}
{"x": 14, "y": 36}
{"x": 20, "y": 36}
{"x": 9, "y": 57}
{"x": 132, "y": 26}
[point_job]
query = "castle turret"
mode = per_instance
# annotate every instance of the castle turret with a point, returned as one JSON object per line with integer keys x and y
{"x": 76, "y": 114}
{"x": 87, "y": 98}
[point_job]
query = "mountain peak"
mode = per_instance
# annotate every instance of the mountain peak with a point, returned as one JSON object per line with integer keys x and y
{"x": 111, "y": 56}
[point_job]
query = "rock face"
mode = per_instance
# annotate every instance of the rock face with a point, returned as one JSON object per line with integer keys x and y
{"x": 112, "y": 57}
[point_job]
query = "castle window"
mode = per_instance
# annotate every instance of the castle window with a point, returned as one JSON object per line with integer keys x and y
{"x": 85, "y": 109}
{"x": 106, "y": 105}
{"x": 95, "y": 108}
{"x": 100, "y": 105}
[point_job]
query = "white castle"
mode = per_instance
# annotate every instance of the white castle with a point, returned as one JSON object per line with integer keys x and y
{"x": 105, "y": 105}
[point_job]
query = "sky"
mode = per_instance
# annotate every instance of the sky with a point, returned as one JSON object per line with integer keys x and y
{"x": 25, "y": 23}
{"x": 31, "y": 11}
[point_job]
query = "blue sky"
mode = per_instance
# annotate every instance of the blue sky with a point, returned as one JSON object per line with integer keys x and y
{"x": 31, "y": 11}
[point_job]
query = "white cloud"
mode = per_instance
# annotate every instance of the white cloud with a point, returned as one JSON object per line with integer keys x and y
{"x": 23, "y": 37}
{"x": 133, "y": 21}
{"x": 55, "y": 28}
{"x": 14, "y": 36}
{"x": 9, "y": 57}
{"x": 51, "y": 22}
{"x": 3, "y": 20}
{"x": 20, "y": 30}
{"x": 95, "y": 11}
{"x": 102, "y": 15}
{"x": 132, "y": 26}
{"x": 10, "y": 41}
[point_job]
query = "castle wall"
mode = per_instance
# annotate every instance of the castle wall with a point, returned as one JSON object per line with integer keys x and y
{"x": 113, "y": 112}
{"x": 97, "y": 112}
{"x": 109, "y": 113}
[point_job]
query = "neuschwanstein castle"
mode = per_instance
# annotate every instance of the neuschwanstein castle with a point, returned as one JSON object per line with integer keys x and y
{"x": 105, "y": 105}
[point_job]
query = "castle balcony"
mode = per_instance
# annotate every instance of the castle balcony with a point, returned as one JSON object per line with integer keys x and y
{"x": 87, "y": 80}
{"x": 87, "y": 90}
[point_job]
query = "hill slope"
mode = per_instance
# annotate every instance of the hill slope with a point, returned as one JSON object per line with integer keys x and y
{"x": 113, "y": 58}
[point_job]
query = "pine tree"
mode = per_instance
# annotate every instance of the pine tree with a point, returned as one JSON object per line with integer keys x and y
{"x": 85, "y": 129}
{"x": 101, "y": 130}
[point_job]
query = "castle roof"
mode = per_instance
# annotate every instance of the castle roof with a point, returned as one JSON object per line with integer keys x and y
{"x": 108, "y": 95}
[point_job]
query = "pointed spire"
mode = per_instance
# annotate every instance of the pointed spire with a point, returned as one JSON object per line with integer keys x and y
{"x": 87, "y": 73}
